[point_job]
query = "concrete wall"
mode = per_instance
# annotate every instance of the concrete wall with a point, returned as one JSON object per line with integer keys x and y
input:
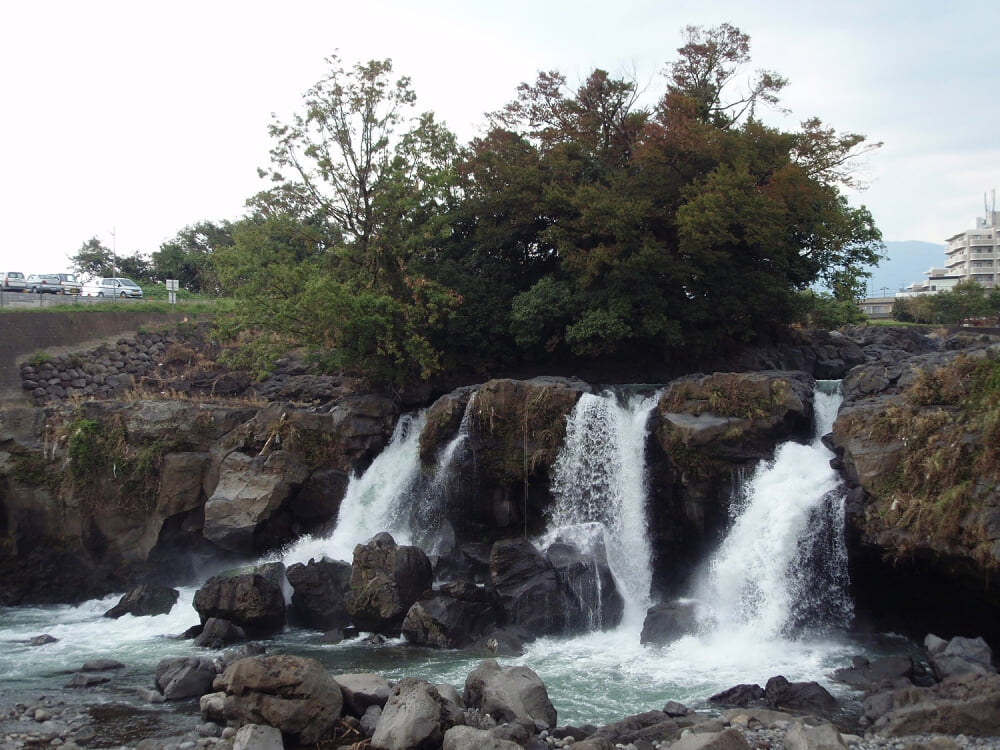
{"x": 23, "y": 333}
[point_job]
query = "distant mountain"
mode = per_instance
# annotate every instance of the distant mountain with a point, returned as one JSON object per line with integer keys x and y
{"x": 906, "y": 263}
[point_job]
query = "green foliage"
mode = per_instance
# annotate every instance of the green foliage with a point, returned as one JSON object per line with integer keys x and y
{"x": 581, "y": 224}
{"x": 822, "y": 310}
{"x": 94, "y": 259}
{"x": 107, "y": 469}
{"x": 34, "y": 470}
{"x": 39, "y": 357}
{"x": 189, "y": 257}
{"x": 968, "y": 300}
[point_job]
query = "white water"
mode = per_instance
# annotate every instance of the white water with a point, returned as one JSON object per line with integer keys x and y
{"x": 600, "y": 676}
{"x": 782, "y": 566}
{"x": 599, "y": 483}
{"x": 375, "y": 501}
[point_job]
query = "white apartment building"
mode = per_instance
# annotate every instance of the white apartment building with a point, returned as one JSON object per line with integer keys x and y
{"x": 974, "y": 255}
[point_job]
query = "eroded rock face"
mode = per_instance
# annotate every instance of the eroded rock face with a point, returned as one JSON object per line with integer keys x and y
{"x": 707, "y": 429}
{"x": 922, "y": 513}
{"x": 249, "y": 492}
{"x": 295, "y": 694}
{"x": 386, "y": 579}
{"x": 527, "y": 587}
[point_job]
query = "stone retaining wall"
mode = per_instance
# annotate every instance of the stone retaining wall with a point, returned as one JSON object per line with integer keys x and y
{"x": 23, "y": 333}
{"x": 108, "y": 370}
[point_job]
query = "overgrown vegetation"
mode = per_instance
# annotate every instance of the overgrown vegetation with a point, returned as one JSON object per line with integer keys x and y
{"x": 967, "y": 302}
{"x": 101, "y": 466}
{"x": 726, "y": 396}
{"x": 948, "y": 422}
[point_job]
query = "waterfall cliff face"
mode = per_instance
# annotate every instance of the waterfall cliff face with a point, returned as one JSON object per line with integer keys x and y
{"x": 782, "y": 567}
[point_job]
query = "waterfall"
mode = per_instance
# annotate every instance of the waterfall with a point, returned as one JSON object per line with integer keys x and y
{"x": 377, "y": 500}
{"x": 781, "y": 569}
{"x": 599, "y": 491}
{"x": 393, "y": 495}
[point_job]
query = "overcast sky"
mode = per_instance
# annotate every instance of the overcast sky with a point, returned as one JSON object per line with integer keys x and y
{"x": 140, "y": 118}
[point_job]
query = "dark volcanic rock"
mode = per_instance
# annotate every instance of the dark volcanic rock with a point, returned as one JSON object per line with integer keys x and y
{"x": 386, "y": 579}
{"x": 145, "y": 600}
{"x": 250, "y": 601}
{"x": 527, "y": 587}
{"x": 320, "y": 593}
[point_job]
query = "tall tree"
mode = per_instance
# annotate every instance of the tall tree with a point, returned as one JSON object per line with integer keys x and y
{"x": 358, "y": 191}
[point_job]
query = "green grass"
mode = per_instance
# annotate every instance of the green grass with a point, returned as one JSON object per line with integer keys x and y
{"x": 192, "y": 306}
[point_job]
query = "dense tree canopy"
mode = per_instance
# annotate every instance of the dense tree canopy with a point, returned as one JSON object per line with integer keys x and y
{"x": 581, "y": 224}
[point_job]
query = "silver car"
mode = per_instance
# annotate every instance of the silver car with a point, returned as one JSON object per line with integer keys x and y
{"x": 13, "y": 281}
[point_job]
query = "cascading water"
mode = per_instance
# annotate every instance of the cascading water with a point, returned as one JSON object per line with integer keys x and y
{"x": 599, "y": 490}
{"x": 375, "y": 501}
{"x": 595, "y": 677}
{"x": 782, "y": 567}
{"x": 392, "y": 495}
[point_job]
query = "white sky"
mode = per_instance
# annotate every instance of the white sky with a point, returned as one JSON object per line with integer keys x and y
{"x": 145, "y": 117}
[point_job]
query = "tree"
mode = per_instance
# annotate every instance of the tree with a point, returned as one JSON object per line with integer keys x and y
{"x": 358, "y": 193}
{"x": 93, "y": 259}
{"x": 189, "y": 256}
{"x": 709, "y": 63}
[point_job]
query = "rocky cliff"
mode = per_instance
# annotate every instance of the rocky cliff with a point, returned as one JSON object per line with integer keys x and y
{"x": 99, "y": 489}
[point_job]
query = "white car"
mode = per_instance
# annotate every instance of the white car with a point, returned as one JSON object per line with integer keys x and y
{"x": 13, "y": 281}
{"x": 113, "y": 288}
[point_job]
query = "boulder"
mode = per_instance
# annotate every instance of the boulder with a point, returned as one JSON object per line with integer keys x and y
{"x": 185, "y": 677}
{"x": 447, "y": 621}
{"x": 730, "y": 739}
{"x": 415, "y": 716}
{"x": 469, "y": 738}
{"x": 651, "y": 726}
{"x": 527, "y": 587}
{"x": 892, "y": 671}
{"x": 968, "y": 704}
{"x": 295, "y": 694}
{"x": 810, "y": 697}
{"x": 592, "y": 599}
{"x": 802, "y": 736}
{"x": 362, "y": 690}
{"x": 248, "y": 493}
{"x": 320, "y": 590}
{"x": 386, "y": 579}
{"x": 145, "y": 600}
{"x": 509, "y": 693}
{"x": 219, "y": 633}
{"x": 258, "y": 737}
{"x": 250, "y": 601}
{"x": 668, "y": 621}
{"x": 960, "y": 656}
{"x": 739, "y": 695}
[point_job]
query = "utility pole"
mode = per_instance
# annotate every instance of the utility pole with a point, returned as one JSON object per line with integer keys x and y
{"x": 114, "y": 263}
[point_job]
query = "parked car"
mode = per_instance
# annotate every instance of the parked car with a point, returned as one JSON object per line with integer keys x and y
{"x": 13, "y": 281}
{"x": 68, "y": 283}
{"x": 113, "y": 288}
{"x": 44, "y": 283}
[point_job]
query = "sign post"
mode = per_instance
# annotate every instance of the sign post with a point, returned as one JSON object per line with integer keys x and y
{"x": 172, "y": 293}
